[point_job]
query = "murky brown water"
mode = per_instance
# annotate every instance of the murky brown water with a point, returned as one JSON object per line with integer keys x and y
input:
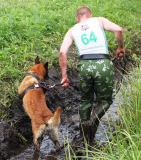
{"x": 68, "y": 131}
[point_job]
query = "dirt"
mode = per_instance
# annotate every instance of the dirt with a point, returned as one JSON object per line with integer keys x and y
{"x": 13, "y": 135}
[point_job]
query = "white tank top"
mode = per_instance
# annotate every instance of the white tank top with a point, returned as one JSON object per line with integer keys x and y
{"x": 89, "y": 37}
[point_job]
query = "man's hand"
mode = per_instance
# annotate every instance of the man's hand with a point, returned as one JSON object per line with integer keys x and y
{"x": 65, "y": 82}
{"x": 119, "y": 53}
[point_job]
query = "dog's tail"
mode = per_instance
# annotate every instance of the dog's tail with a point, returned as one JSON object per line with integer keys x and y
{"x": 56, "y": 117}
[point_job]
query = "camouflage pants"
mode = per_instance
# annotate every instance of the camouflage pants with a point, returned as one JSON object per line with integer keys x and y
{"x": 95, "y": 76}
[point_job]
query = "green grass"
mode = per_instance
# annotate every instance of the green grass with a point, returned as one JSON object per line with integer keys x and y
{"x": 125, "y": 143}
{"x": 36, "y": 27}
{"x": 31, "y": 28}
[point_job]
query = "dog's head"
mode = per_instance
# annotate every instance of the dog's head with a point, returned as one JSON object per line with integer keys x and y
{"x": 40, "y": 69}
{"x": 45, "y": 66}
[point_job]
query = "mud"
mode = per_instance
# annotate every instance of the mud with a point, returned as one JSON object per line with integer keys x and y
{"x": 68, "y": 99}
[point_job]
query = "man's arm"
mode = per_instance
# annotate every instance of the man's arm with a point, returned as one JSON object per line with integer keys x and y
{"x": 67, "y": 42}
{"x": 117, "y": 30}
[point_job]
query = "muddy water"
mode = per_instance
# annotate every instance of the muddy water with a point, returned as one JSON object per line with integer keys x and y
{"x": 68, "y": 131}
{"x": 68, "y": 99}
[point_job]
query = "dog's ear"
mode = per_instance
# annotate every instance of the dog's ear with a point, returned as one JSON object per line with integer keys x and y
{"x": 37, "y": 60}
{"x": 46, "y": 68}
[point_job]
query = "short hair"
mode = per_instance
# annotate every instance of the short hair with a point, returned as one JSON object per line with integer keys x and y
{"x": 83, "y": 10}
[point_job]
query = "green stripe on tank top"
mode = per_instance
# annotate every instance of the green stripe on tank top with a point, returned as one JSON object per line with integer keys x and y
{"x": 76, "y": 47}
{"x": 105, "y": 39}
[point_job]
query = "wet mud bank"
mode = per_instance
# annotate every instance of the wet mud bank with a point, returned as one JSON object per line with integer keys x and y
{"x": 13, "y": 134}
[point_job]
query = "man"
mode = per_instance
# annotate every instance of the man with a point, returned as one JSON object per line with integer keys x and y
{"x": 95, "y": 69}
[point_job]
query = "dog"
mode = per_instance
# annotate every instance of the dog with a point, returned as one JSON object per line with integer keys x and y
{"x": 43, "y": 120}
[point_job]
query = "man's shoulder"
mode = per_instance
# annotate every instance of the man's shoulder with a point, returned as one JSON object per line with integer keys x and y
{"x": 77, "y": 24}
{"x": 100, "y": 21}
{"x": 75, "y": 27}
{"x": 95, "y": 19}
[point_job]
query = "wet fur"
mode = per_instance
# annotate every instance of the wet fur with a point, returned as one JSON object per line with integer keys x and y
{"x": 43, "y": 120}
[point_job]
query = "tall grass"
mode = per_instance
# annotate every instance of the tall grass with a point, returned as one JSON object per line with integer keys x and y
{"x": 129, "y": 133}
{"x": 125, "y": 143}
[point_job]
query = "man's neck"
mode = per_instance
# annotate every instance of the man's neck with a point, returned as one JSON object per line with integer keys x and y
{"x": 83, "y": 19}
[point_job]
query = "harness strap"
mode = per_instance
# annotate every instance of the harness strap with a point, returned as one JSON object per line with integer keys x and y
{"x": 40, "y": 85}
{"x": 32, "y": 87}
{"x": 46, "y": 85}
{"x": 33, "y": 75}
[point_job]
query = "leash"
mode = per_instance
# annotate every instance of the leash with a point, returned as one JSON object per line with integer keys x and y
{"x": 125, "y": 62}
{"x": 41, "y": 84}
{"x": 124, "y": 59}
{"x": 124, "y": 68}
{"x": 47, "y": 86}
{"x": 60, "y": 84}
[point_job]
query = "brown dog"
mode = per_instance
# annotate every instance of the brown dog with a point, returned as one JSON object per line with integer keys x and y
{"x": 43, "y": 121}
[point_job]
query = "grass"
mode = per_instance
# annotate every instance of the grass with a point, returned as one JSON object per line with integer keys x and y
{"x": 36, "y": 27}
{"x": 125, "y": 143}
{"x": 31, "y": 28}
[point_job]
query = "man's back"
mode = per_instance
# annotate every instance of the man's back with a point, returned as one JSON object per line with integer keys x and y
{"x": 89, "y": 37}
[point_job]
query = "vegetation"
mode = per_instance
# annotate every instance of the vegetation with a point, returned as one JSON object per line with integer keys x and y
{"x": 125, "y": 143}
{"x": 30, "y": 28}
{"x": 36, "y": 27}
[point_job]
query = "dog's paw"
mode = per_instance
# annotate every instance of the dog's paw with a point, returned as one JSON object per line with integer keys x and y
{"x": 57, "y": 144}
{"x": 36, "y": 146}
